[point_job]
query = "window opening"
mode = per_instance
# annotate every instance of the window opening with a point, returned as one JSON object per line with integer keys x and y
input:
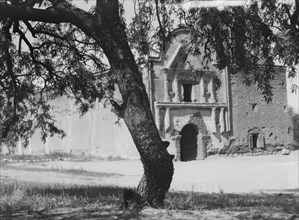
{"x": 187, "y": 92}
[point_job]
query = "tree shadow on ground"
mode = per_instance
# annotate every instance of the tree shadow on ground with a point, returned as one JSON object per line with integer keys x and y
{"x": 74, "y": 213}
{"x": 86, "y": 191}
{"x": 105, "y": 202}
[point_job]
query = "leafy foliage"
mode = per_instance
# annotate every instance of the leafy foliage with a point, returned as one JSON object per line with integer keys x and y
{"x": 40, "y": 61}
{"x": 56, "y": 60}
{"x": 249, "y": 39}
{"x": 150, "y": 29}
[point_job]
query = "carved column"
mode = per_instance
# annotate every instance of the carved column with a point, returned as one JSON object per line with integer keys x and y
{"x": 213, "y": 120}
{"x": 157, "y": 118}
{"x": 166, "y": 92}
{"x": 176, "y": 89}
{"x": 202, "y": 143}
{"x": 260, "y": 141}
{"x": 211, "y": 91}
{"x": 222, "y": 120}
{"x": 202, "y": 98}
{"x": 193, "y": 93}
{"x": 177, "y": 140}
{"x": 167, "y": 119}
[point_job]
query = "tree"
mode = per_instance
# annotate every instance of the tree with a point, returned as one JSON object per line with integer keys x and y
{"x": 69, "y": 42}
{"x": 248, "y": 39}
{"x": 66, "y": 52}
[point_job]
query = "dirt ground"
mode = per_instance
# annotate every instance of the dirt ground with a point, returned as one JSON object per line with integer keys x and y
{"x": 242, "y": 174}
{"x": 110, "y": 213}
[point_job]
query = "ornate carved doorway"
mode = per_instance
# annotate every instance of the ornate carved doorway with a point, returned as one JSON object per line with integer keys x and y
{"x": 188, "y": 143}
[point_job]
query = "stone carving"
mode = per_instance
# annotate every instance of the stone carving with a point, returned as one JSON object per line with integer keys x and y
{"x": 195, "y": 119}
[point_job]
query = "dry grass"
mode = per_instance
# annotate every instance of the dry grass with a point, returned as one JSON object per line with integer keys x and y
{"x": 56, "y": 156}
{"x": 18, "y": 197}
{"x": 288, "y": 203}
{"x": 60, "y": 169}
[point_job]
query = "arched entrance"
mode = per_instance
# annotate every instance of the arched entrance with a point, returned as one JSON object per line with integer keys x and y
{"x": 188, "y": 143}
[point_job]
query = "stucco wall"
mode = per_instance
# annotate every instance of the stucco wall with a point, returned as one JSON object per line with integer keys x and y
{"x": 249, "y": 110}
{"x": 94, "y": 133}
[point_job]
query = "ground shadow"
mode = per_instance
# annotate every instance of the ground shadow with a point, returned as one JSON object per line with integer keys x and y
{"x": 86, "y": 191}
{"x": 105, "y": 202}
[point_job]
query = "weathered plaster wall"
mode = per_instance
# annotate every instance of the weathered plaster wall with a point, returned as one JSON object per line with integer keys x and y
{"x": 176, "y": 58}
{"x": 178, "y": 114}
{"x": 179, "y": 117}
{"x": 95, "y": 133}
{"x": 293, "y": 96}
{"x": 181, "y": 68}
{"x": 249, "y": 110}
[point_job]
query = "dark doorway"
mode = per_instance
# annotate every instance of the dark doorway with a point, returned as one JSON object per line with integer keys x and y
{"x": 187, "y": 92}
{"x": 253, "y": 140}
{"x": 188, "y": 143}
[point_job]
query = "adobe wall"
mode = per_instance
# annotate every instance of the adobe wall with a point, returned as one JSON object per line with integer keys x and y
{"x": 94, "y": 133}
{"x": 249, "y": 111}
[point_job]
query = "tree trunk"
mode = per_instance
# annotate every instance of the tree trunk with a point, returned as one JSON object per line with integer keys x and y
{"x": 157, "y": 162}
{"x": 108, "y": 30}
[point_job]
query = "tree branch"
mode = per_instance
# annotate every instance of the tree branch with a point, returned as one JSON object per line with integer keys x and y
{"x": 62, "y": 12}
{"x": 28, "y": 13}
{"x": 6, "y": 41}
{"x": 160, "y": 24}
{"x": 118, "y": 109}
{"x": 30, "y": 28}
{"x": 34, "y": 60}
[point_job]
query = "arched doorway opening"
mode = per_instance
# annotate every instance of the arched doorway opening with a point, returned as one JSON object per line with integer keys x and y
{"x": 188, "y": 143}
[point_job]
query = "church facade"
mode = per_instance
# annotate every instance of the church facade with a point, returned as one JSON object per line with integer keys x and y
{"x": 199, "y": 108}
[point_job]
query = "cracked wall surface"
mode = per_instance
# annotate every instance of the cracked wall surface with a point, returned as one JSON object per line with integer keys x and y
{"x": 250, "y": 111}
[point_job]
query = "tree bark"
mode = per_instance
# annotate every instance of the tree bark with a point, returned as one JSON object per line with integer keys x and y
{"x": 157, "y": 162}
{"x": 107, "y": 28}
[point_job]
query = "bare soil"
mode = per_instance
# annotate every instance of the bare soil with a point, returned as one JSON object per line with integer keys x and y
{"x": 244, "y": 174}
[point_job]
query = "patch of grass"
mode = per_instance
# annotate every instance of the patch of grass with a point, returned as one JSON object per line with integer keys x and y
{"x": 288, "y": 203}
{"x": 83, "y": 172}
{"x": 57, "y": 156}
{"x": 52, "y": 156}
{"x": 73, "y": 171}
{"x": 14, "y": 198}
{"x": 18, "y": 197}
